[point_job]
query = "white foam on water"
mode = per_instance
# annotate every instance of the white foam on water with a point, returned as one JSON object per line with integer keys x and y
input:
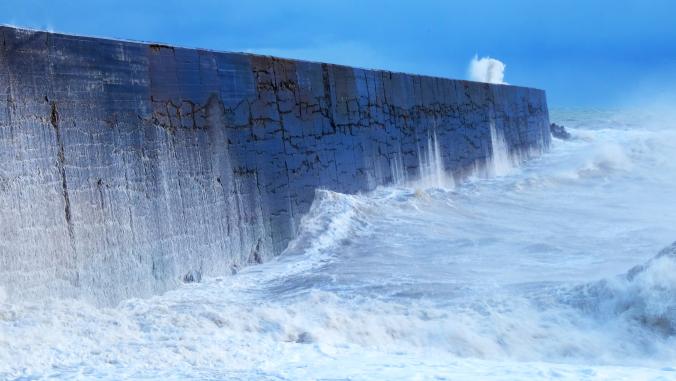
{"x": 528, "y": 275}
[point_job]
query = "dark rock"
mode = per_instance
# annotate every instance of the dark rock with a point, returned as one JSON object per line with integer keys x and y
{"x": 255, "y": 257}
{"x": 559, "y": 132}
{"x": 305, "y": 338}
{"x": 193, "y": 276}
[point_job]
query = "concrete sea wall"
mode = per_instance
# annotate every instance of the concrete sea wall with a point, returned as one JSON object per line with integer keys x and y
{"x": 124, "y": 166}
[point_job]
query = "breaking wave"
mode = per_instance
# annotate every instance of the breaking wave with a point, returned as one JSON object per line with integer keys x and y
{"x": 644, "y": 297}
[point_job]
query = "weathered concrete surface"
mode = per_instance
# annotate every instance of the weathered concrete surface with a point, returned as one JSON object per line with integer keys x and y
{"x": 125, "y": 166}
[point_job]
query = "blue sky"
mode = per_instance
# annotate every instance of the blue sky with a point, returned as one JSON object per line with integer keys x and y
{"x": 584, "y": 53}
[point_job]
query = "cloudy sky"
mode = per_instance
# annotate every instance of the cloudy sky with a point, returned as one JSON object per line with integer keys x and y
{"x": 584, "y": 53}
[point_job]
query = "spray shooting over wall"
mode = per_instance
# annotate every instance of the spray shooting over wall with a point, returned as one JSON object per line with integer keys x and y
{"x": 487, "y": 69}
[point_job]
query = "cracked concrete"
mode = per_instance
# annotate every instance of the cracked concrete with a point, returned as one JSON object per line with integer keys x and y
{"x": 151, "y": 162}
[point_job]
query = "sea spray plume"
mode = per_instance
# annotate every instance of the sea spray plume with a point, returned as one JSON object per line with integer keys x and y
{"x": 501, "y": 162}
{"x": 396, "y": 169}
{"x": 431, "y": 165}
{"x": 487, "y": 69}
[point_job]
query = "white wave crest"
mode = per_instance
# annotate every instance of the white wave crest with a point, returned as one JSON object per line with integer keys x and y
{"x": 332, "y": 217}
{"x": 645, "y": 296}
{"x": 608, "y": 158}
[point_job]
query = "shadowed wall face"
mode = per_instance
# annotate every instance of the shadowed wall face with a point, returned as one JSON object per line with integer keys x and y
{"x": 126, "y": 166}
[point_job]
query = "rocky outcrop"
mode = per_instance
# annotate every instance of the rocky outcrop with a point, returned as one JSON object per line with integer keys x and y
{"x": 559, "y": 132}
{"x": 125, "y": 166}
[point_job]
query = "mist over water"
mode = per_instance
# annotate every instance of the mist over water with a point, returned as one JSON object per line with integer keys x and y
{"x": 527, "y": 270}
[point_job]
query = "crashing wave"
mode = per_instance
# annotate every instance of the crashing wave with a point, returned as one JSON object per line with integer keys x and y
{"x": 645, "y": 295}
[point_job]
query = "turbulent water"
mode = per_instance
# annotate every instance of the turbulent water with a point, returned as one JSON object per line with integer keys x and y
{"x": 546, "y": 270}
